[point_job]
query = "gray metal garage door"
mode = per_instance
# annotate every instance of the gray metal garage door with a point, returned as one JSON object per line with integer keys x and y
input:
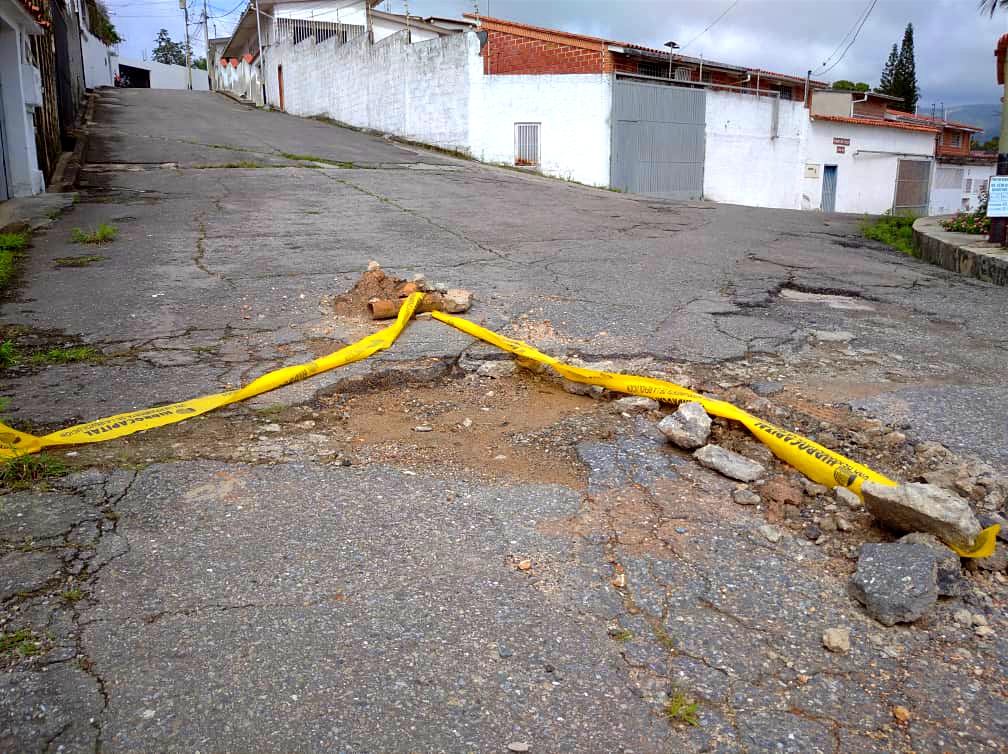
{"x": 658, "y": 139}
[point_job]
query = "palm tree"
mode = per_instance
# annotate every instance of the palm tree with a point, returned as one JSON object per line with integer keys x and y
{"x": 993, "y": 5}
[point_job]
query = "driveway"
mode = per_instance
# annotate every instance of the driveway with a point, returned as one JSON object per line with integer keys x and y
{"x": 315, "y": 570}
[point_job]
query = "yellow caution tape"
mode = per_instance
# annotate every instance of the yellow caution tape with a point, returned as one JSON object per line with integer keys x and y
{"x": 14, "y": 443}
{"x": 819, "y": 464}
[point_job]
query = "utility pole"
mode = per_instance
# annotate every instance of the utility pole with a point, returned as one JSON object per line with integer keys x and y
{"x": 262, "y": 71}
{"x": 367, "y": 20}
{"x": 206, "y": 38}
{"x": 188, "y": 46}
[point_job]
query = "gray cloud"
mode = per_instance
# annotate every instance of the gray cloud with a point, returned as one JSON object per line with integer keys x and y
{"x": 954, "y": 41}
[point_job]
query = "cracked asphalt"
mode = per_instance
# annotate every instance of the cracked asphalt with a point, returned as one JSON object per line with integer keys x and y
{"x": 290, "y": 574}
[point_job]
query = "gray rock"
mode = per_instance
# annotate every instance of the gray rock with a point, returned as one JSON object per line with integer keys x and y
{"x": 496, "y": 369}
{"x": 689, "y": 427}
{"x": 635, "y": 404}
{"x": 832, "y": 336}
{"x": 730, "y": 464}
{"x": 771, "y": 532}
{"x": 457, "y": 300}
{"x": 989, "y": 519}
{"x": 837, "y": 640}
{"x": 766, "y": 389}
{"x": 950, "y": 578}
{"x": 897, "y": 582}
{"x": 745, "y": 497}
{"x": 812, "y": 489}
{"x": 846, "y": 497}
{"x": 922, "y": 507}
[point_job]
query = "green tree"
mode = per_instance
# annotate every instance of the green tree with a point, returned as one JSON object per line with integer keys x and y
{"x": 991, "y": 145}
{"x": 888, "y": 73}
{"x": 199, "y": 63}
{"x": 906, "y": 72}
{"x": 99, "y": 23}
{"x": 168, "y": 52}
{"x": 850, "y": 86}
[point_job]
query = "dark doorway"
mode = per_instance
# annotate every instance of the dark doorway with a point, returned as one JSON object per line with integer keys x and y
{"x": 136, "y": 78}
{"x": 829, "y": 188}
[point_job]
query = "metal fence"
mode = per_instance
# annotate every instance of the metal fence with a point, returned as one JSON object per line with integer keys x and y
{"x": 295, "y": 30}
{"x": 913, "y": 178}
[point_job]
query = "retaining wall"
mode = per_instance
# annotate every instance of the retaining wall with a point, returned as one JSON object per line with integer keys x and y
{"x": 960, "y": 252}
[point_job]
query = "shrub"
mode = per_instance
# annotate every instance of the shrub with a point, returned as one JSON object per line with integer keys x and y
{"x": 968, "y": 222}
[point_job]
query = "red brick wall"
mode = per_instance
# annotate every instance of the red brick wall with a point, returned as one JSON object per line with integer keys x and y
{"x": 945, "y": 147}
{"x": 869, "y": 109}
{"x": 509, "y": 53}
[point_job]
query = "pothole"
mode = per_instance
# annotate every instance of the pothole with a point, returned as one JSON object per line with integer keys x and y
{"x": 830, "y": 300}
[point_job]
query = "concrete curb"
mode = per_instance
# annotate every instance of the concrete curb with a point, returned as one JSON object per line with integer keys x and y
{"x": 67, "y": 170}
{"x": 234, "y": 98}
{"x": 960, "y": 252}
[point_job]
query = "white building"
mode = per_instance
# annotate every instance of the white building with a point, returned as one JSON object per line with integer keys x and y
{"x": 20, "y": 94}
{"x": 146, "y": 74}
{"x": 590, "y": 110}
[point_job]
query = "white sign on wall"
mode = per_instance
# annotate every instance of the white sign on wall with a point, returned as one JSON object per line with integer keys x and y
{"x": 997, "y": 201}
{"x": 811, "y": 170}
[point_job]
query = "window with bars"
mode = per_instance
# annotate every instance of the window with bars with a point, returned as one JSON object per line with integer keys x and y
{"x": 651, "y": 68}
{"x": 527, "y": 144}
{"x": 968, "y": 188}
{"x": 953, "y": 138}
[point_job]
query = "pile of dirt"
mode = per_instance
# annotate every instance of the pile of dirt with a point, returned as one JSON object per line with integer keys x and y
{"x": 373, "y": 283}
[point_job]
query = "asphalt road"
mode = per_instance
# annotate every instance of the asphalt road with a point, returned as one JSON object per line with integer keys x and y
{"x": 245, "y": 589}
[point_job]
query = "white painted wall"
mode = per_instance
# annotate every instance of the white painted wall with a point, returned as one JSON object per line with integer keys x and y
{"x": 956, "y": 188}
{"x": 163, "y": 76}
{"x": 573, "y": 111}
{"x": 866, "y": 183}
{"x": 100, "y": 61}
{"x": 743, "y": 164}
{"x": 419, "y": 91}
{"x": 20, "y": 93}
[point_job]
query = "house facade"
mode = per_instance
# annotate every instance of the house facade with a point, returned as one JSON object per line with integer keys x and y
{"x": 596, "y": 111}
{"x": 20, "y": 95}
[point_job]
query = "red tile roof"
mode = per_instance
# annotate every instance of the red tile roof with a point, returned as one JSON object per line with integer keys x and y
{"x": 774, "y": 74}
{"x": 878, "y": 122}
{"x": 594, "y": 41}
{"x": 937, "y": 121}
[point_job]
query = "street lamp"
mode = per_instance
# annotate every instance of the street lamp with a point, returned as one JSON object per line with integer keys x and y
{"x": 671, "y": 46}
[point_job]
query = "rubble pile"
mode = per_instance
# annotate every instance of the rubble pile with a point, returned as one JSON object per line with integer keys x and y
{"x": 378, "y": 295}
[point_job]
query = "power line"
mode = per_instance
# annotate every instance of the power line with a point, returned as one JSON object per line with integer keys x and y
{"x": 860, "y": 26}
{"x": 723, "y": 14}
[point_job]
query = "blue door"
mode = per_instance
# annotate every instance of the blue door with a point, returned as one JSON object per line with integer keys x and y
{"x": 829, "y": 188}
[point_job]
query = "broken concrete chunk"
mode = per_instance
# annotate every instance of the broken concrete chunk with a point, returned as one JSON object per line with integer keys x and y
{"x": 496, "y": 369}
{"x": 837, "y": 640}
{"x": 896, "y": 582}
{"x": 950, "y": 579}
{"x": 848, "y": 498}
{"x": 635, "y": 404}
{"x": 745, "y": 497}
{"x": 373, "y": 265}
{"x": 457, "y": 300}
{"x": 689, "y": 427}
{"x": 730, "y": 464}
{"x": 922, "y": 507}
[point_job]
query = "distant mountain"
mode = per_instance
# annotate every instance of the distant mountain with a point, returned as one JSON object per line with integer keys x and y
{"x": 987, "y": 117}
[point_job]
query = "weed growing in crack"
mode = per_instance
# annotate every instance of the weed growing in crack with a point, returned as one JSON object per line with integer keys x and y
{"x": 275, "y": 410}
{"x": 680, "y": 709}
{"x": 65, "y": 355}
{"x": 9, "y": 355}
{"x": 105, "y": 233}
{"x": 313, "y": 212}
{"x": 312, "y": 158}
{"x": 893, "y": 230}
{"x": 12, "y": 245}
{"x": 662, "y": 637}
{"x": 82, "y": 261}
{"x": 72, "y": 596}
{"x": 621, "y": 635}
{"x": 24, "y": 642}
{"x": 27, "y": 471}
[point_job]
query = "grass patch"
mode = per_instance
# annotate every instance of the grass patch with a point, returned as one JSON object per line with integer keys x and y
{"x": 11, "y": 247}
{"x": 81, "y": 261}
{"x": 9, "y": 355}
{"x": 65, "y": 355}
{"x": 893, "y": 230}
{"x": 72, "y": 596}
{"x": 274, "y": 410}
{"x": 680, "y": 709}
{"x": 242, "y": 164}
{"x": 23, "y": 642}
{"x": 104, "y": 233}
{"x": 23, "y": 472}
{"x": 312, "y": 158}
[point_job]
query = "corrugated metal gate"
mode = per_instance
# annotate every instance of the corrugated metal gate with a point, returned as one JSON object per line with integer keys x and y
{"x": 913, "y": 178}
{"x": 658, "y": 139}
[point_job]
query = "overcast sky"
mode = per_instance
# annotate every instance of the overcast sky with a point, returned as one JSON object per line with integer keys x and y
{"x": 954, "y": 42}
